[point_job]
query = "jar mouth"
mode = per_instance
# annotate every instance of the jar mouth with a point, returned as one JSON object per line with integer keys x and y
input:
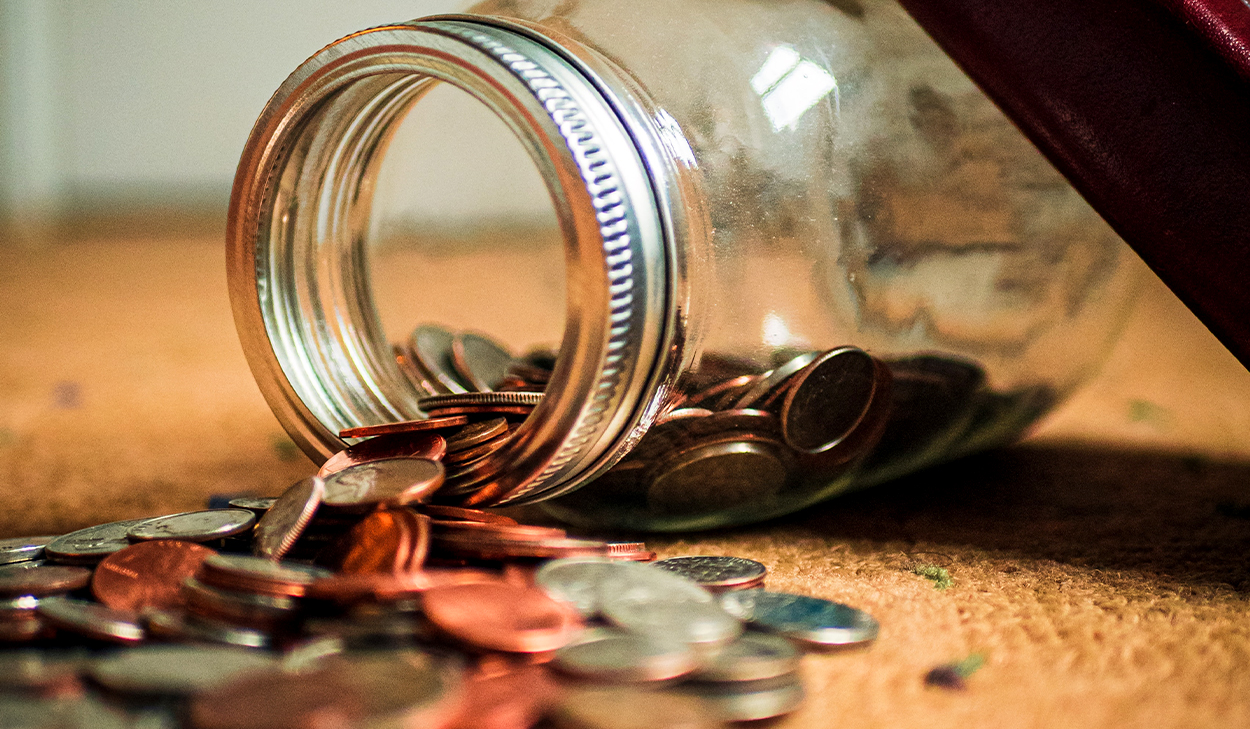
{"x": 300, "y": 213}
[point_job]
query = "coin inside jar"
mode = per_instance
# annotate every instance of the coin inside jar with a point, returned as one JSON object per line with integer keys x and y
{"x": 431, "y": 349}
{"x": 415, "y": 444}
{"x": 718, "y": 475}
{"x": 390, "y": 482}
{"x": 479, "y": 361}
{"x": 406, "y": 426}
{"x": 830, "y": 398}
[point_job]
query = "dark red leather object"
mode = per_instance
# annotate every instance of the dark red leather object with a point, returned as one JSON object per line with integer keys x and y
{"x": 1145, "y": 107}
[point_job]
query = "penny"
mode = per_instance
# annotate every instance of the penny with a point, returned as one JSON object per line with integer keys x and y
{"x": 529, "y": 372}
{"x": 382, "y": 542}
{"x": 240, "y": 572}
{"x": 630, "y": 552}
{"x": 248, "y": 609}
{"x": 716, "y": 573}
{"x": 479, "y": 361}
{"x": 436, "y": 511}
{"x": 751, "y": 657}
{"x": 478, "y": 412}
{"x": 349, "y": 588}
{"x": 22, "y": 549}
{"x": 43, "y": 580}
{"x": 604, "y": 654}
{"x": 514, "y": 699}
{"x": 811, "y": 620}
{"x": 508, "y": 532}
{"x": 500, "y": 617}
{"x": 721, "y": 394}
{"x": 416, "y": 444}
{"x": 830, "y": 398}
{"x": 285, "y": 521}
{"x": 258, "y": 505}
{"x": 406, "y": 426}
{"x": 90, "y": 545}
{"x": 390, "y": 482}
{"x": 194, "y": 526}
{"x": 617, "y": 707}
{"x": 748, "y": 700}
{"x": 177, "y": 670}
{"x": 480, "y": 399}
{"x": 469, "y": 455}
{"x": 430, "y": 346}
{"x": 91, "y": 620}
{"x": 148, "y": 574}
{"x": 485, "y": 548}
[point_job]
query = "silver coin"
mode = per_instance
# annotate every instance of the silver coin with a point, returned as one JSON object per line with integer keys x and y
{"x": 256, "y": 504}
{"x": 718, "y": 476}
{"x": 830, "y": 398}
{"x": 431, "y": 349}
{"x": 752, "y": 657}
{"x": 665, "y": 606}
{"x": 715, "y": 573}
{"x": 603, "y": 654}
{"x": 286, "y": 519}
{"x": 749, "y": 700}
{"x": 53, "y": 579}
{"x": 763, "y": 387}
{"x": 576, "y": 581}
{"x": 91, "y": 619}
{"x": 243, "y": 607}
{"x": 264, "y": 570}
{"x": 22, "y": 549}
{"x": 177, "y": 669}
{"x": 390, "y": 481}
{"x": 810, "y": 620}
{"x": 479, "y": 360}
{"x": 14, "y": 606}
{"x": 171, "y": 625}
{"x": 627, "y": 707}
{"x": 194, "y": 526}
{"x": 90, "y": 545}
{"x": 482, "y": 399}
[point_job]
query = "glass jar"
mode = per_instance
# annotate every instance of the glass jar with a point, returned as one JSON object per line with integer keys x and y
{"x": 801, "y": 253}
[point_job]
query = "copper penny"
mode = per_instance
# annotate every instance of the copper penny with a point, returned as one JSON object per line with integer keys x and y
{"x": 396, "y": 445}
{"x": 511, "y": 532}
{"x": 382, "y": 542}
{"x": 476, "y": 434}
{"x": 420, "y": 547}
{"x": 500, "y": 616}
{"x": 43, "y": 580}
{"x": 406, "y": 426}
{"x": 514, "y": 699}
{"x": 148, "y": 574}
{"x": 389, "y": 482}
{"x": 477, "y": 452}
{"x": 486, "y": 548}
{"x": 481, "y": 411}
{"x": 459, "y": 513}
{"x": 630, "y": 552}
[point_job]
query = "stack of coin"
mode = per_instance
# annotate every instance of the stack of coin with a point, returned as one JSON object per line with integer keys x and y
{"x": 402, "y": 613}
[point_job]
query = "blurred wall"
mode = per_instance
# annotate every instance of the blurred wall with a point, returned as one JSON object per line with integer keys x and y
{"x": 108, "y": 105}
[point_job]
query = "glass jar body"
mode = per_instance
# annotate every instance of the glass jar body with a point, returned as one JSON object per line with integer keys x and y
{"x": 864, "y": 268}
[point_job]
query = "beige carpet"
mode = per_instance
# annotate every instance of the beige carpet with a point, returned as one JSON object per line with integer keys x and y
{"x": 1099, "y": 569}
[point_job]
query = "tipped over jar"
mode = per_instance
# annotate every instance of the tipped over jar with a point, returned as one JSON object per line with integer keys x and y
{"x": 801, "y": 254}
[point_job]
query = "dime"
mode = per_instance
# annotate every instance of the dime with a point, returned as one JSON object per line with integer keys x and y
{"x": 576, "y": 581}
{"x": 390, "y": 482}
{"x": 430, "y": 346}
{"x": 254, "y": 574}
{"x": 287, "y": 518}
{"x": 90, "y": 545}
{"x": 148, "y": 574}
{"x": 22, "y": 549}
{"x": 194, "y": 526}
{"x": 832, "y": 397}
{"x": 618, "y": 707}
{"x": 416, "y": 444}
{"x": 604, "y": 654}
{"x": 43, "y": 580}
{"x": 717, "y": 573}
{"x": 177, "y": 670}
{"x": 480, "y": 399}
{"x": 748, "y": 700}
{"x": 479, "y": 360}
{"x": 258, "y": 505}
{"x": 406, "y": 426}
{"x": 500, "y": 617}
{"x": 811, "y": 620}
{"x": 91, "y": 620}
{"x": 663, "y": 605}
{"x": 752, "y": 657}
{"x": 773, "y": 383}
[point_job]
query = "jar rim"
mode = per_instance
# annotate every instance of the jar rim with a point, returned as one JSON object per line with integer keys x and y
{"x": 296, "y": 257}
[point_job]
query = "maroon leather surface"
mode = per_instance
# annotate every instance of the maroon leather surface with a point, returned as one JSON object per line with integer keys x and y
{"x": 1145, "y": 107}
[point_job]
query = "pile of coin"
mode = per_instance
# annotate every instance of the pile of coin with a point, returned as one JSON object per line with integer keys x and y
{"x": 352, "y": 600}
